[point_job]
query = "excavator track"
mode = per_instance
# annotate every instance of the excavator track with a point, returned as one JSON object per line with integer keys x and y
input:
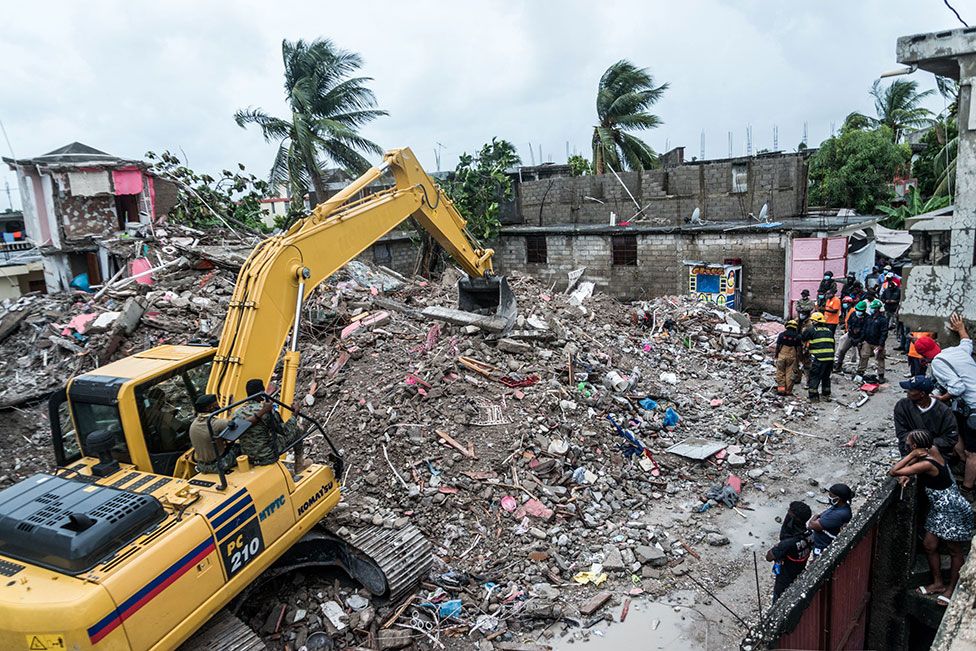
{"x": 224, "y": 632}
{"x": 387, "y": 562}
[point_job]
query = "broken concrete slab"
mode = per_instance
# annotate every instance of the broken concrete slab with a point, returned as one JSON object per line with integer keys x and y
{"x": 696, "y": 448}
{"x": 492, "y": 324}
{"x": 514, "y": 347}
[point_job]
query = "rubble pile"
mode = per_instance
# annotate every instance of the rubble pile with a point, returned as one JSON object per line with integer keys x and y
{"x": 530, "y": 458}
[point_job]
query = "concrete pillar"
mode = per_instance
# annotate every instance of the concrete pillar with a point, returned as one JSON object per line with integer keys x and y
{"x": 964, "y": 216}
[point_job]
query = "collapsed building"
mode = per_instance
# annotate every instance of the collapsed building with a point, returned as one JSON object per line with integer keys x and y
{"x": 75, "y": 199}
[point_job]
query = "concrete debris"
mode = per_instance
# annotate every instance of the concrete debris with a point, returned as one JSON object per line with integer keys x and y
{"x": 498, "y": 449}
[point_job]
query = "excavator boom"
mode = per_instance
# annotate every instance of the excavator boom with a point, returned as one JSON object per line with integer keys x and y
{"x": 283, "y": 270}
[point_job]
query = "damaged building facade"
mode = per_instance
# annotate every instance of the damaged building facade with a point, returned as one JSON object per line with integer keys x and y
{"x": 943, "y": 281}
{"x": 643, "y": 234}
{"x": 77, "y": 198}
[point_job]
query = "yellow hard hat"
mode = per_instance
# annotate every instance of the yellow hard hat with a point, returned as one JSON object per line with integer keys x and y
{"x": 818, "y": 317}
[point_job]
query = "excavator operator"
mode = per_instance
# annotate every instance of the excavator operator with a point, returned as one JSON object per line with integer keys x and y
{"x": 208, "y": 454}
{"x": 259, "y": 442}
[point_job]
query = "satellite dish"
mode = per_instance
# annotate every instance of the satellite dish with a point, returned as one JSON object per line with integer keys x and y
{"x": 764, "y": 213}
{"x": 696, "y": 216}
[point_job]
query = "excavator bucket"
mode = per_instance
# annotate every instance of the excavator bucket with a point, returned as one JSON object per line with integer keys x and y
{"x": 488, "y": 296}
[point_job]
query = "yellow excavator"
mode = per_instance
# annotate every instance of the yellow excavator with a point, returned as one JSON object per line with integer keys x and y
{"x": 125, "y": 545}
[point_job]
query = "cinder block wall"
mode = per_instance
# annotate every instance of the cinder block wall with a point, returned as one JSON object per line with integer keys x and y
{"x": 659, "y": 269}
{"x": 670, "y": 195}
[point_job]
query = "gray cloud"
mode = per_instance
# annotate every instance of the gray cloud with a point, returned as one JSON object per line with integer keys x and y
{"x": 128, "y": 78}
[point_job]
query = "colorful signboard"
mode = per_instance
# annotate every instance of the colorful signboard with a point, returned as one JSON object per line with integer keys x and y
{"x": 716, "y": 283}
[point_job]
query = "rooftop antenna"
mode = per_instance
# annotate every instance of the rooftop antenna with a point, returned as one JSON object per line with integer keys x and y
{"x": 667, "y": 144}
{"x": 6, "y": 187}
{"x": 775, "y": 138}
{"x": 567, "y": 151}
{"x": 531, "y": 154}
{"x": 833, "y": 130}
{"x": 805, "y": 133}
{"x": 701, "y": 152}
{"x": 437, "y": 154}
{"x": 541, "y": 159}
{"x": 749, "y": 140}
{"x": 730, "y": 144}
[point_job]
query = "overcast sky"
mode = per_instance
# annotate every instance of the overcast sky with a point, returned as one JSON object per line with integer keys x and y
{"x": 131, "y": 77}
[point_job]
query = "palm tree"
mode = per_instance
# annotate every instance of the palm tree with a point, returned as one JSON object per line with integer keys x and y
{"x": 898, "y": 107}
{"x": 327, "y": 108}
{"x": 623, "y": 97}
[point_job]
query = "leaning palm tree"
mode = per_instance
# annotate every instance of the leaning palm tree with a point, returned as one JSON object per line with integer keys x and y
{"x": 623, "y": 97}
{"x": 898, "y": 107}
{"x": 327, "y": 108}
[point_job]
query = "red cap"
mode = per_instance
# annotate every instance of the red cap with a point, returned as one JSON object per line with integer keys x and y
{"x": 926, "y": 347}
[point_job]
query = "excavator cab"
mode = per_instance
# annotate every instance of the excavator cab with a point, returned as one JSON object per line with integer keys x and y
{"x": 487, "y": 295}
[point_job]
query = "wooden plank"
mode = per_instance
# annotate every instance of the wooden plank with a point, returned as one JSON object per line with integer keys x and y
{"x": 595, "y": 603}
{"x": 447, "y": 438}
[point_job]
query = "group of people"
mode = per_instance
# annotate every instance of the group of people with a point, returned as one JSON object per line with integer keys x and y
{"x": 935, "y": 427}
{"x": 266, "y": 435}
{"x": 810, "y": 341}
{"x": 804, "y": 535}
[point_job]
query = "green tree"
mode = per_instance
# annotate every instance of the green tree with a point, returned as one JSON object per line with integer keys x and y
{"x": 624, "y": 95}
{"x": 930, "y": 165}
{"x": 579, "y": 166}
{"x": 855, "y": 169}
{"x": 898, "y": 106}
{"x": 231, "y": 200}
{"x": 913, "y": 206}
{"x": 328, "y": 106}
{"x": 479, "y": 185}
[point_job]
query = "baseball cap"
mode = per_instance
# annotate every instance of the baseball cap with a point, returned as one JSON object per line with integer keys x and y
{"x": 205, "y": 401}
{"x": 842, "y": 491}
{"x": 918, "y": 382}
{"x": 861, "y": 306}
{"x": 926, "y": 347}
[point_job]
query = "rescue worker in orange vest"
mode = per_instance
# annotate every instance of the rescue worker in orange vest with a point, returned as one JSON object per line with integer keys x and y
{"x": 831, "y": 311}
{"x": 917, "y": 363}
{"x": 788, "y": 349}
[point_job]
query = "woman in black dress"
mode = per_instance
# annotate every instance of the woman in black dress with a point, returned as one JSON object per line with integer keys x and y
{"x": 950, "y": 517}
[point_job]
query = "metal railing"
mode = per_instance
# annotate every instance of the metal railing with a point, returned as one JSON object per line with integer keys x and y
{"x": 335, "y": 457}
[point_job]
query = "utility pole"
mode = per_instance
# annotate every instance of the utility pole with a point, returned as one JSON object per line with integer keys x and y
{"x": 437, "y": 154}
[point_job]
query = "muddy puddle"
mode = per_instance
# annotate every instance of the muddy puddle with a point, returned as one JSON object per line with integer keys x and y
{"x": 649, "y": 625}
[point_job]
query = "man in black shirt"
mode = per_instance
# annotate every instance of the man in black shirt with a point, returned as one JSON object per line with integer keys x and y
{"x": 790, "y": 554}
{"x": 919, "y": 410}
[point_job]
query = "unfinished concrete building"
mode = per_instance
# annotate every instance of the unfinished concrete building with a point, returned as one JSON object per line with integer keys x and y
{"x": 75, "y": 198}
{"x": 642, "y": 234}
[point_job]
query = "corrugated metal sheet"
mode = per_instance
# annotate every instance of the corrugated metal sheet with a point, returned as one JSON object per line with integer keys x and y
{"x": 836, "y": 618}
{"x": 850, "y": 594}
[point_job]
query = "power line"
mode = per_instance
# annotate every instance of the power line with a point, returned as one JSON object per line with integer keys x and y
{"x": 953, "y": 10}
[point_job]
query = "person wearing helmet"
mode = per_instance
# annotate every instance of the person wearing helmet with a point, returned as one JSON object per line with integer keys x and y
{"x": 820, "y": 344}
{"x": 873, "y": 344}
{"x": 853, "y": 336}
{"x": 787, "y": 356}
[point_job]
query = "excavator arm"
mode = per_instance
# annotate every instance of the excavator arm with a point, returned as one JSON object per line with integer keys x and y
{"x": 282, "y": 271}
